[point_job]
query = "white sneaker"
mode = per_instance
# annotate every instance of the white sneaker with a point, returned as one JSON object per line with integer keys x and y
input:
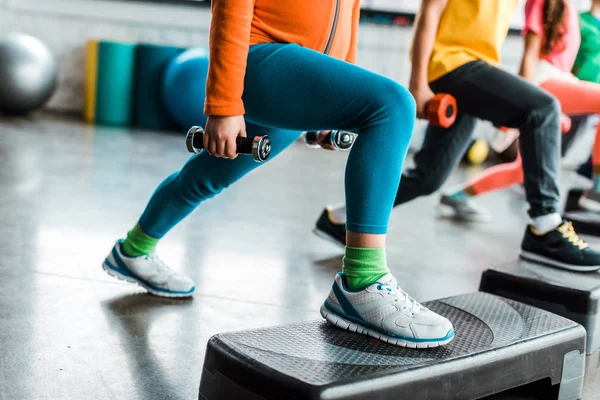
{"x": 149, "y": 272}
{"x": 386, "y": 312}
{"x": 463, "y": 210}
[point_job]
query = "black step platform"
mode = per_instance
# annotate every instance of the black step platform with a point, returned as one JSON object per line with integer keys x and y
{"x": 583, "y": 221}
{"x": 500, "y": 344}
{"x": 573, "y": 295}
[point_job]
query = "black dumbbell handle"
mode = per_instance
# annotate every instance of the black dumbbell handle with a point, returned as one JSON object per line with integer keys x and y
{"x": 244, "y": 145}
{"x": 259, "y": 147}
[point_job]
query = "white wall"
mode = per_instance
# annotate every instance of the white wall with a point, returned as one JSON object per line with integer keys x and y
{"x": 65, "y": 25}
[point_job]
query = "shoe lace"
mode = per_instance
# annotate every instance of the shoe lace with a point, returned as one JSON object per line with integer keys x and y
{"x": 569, "y": 233}
{"x": 393, "y": 289}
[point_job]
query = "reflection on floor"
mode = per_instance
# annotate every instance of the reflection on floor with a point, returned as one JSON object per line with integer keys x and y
{"x": 67, "y": 191}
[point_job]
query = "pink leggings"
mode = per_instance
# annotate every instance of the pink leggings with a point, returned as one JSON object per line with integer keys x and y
{"x": 576, "y": 98}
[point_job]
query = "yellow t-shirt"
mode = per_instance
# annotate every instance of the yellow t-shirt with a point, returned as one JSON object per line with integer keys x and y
{"x": 470, "y": 30}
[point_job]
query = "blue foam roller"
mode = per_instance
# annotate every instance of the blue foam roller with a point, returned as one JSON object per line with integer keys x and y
{"x": 184, "y": 87}
{"x": 149, "y": 109}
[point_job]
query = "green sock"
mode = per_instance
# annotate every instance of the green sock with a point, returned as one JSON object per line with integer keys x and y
{"x": 363, "y": 266}
{"x": 138, "y": 243}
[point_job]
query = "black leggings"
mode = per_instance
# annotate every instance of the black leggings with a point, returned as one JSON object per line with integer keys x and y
{"x": 489, "y": 93}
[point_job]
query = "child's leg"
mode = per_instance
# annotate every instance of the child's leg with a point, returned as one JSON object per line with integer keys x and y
{"x": 493, "y": 178}
{"x": 578, "y": 98}
{"x": 459, "y": 206}
{"x": 316, "y": 92}
{"x": 202, "y": 178}
{"x": 568, "y": 93}
{"x": 325, "y": 93}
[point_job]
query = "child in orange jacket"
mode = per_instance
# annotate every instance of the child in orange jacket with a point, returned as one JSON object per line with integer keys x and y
{"x": 277, "y": 68}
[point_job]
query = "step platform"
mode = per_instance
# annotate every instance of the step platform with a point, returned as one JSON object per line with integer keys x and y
{"x": 500, "y": 344}
{"x": 585, "y": 222}
{"x": 573, "y": 295}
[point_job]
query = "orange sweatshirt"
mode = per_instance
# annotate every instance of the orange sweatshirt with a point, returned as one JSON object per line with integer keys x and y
{"x": 329, "y": 26}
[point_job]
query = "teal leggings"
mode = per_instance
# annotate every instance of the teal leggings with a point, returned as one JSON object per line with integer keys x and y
{"x": 289, "y": 89}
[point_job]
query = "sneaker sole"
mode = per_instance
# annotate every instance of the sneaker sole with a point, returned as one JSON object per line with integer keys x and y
{"x": 448, "y": 212}
{"x": 526, "y": 255}
{"x": 116, "y": 274}
{"x": 589, "y": 205}
{"x": 326, "y": 236}
{"x": 342, "y": 323}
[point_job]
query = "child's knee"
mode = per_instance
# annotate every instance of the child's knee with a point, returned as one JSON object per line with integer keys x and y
{"x": 395, "y": 108}
{"x": 400, "y": 102}
{"x": 547, "y": 112}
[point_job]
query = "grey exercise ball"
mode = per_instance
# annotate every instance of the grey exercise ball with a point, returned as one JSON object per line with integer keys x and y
{"x": 27, "y": 73}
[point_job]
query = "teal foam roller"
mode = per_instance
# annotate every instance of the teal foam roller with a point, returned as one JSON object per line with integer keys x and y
{"x": 114, "y": 93}
{"x": 149, "y": 111}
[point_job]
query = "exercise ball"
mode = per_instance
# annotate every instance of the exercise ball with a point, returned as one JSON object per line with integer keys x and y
{"x": 184, "y": 87}
{"x": 27, "y": 73}
{"x": 477, "y": 152}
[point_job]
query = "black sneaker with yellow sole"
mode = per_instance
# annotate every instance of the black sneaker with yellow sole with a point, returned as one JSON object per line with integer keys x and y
{"x": 561, "y": 248}
{"x": 326, "y": 228}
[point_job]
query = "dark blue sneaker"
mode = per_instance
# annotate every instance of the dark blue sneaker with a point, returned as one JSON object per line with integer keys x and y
{"x": 329, "y": 230}
{"x": 561, "y": 248}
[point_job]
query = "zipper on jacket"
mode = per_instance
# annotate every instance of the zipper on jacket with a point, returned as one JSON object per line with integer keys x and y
{"x": 333, "y": 26}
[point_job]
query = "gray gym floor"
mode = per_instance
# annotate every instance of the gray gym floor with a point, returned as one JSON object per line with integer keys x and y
{"x": 67, "y": 191}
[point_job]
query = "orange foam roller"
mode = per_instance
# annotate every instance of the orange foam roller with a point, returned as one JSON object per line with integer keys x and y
{"x": 441, "y": 110}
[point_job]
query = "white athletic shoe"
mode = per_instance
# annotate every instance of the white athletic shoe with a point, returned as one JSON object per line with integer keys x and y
{"x": 149, "y": 272}
{"x": 385, "y": 312}
{"x": 463, "y": 210}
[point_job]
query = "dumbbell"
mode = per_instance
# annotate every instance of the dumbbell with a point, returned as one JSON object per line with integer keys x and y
{"x": 441, "y": 110}
{"x": 259, "y": 147}
{"x": 341, "y": 141}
